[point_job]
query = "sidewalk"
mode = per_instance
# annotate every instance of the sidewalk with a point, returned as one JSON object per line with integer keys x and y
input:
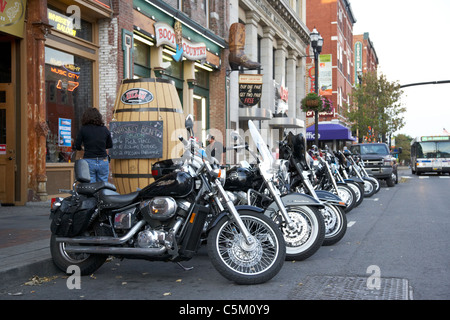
{"x": 25, "y": 243}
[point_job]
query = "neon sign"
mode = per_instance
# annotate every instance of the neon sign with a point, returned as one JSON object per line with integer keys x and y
{"x": 68, "y": 71}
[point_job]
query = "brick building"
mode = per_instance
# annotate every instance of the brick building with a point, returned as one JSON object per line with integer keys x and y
{"x": 61, "y": 57}
{"x": 334, "y": 20}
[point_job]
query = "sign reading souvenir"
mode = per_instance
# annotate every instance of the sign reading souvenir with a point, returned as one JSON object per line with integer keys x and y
{"x": 325, "y": 75}
{"x": 137, "y": 96}
{"x": 250, "y": 89}
{"x": 136, "y": 139}
{"x": 65, "y": 132}
{"x": 12, "y": 15}
{"x": 165, "y": 34}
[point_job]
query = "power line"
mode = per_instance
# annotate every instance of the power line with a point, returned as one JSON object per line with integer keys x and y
{"x": 422, "y": 83}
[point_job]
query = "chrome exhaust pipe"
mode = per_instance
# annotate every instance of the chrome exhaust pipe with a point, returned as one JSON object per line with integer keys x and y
{"x": 116, "y": 250}
{"x": 104, "y": 240}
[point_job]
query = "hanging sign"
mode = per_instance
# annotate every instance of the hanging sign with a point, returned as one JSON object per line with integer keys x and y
{"x": 325, "y": 75}
{"x": 12, "y": 15}
{"x": 250, "y": 89}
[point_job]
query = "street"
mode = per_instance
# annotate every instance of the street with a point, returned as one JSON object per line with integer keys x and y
{"x": 395, "y": 248}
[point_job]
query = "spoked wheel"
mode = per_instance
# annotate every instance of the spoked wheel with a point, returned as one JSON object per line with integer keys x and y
{"x": 243, "y": 262}
{"x": 88, "y": 263}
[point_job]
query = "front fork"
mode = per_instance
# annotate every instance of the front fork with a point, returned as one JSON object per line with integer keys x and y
{"x": 234, "y": 213}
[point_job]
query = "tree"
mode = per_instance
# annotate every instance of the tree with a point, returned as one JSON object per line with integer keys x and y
{"x": 404, "y": 141}
{"x": 376, "y": 107}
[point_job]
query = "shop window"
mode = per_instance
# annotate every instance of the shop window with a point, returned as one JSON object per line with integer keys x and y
{"x": 67, "y": 24}
{"x": 141, "y": 57}
{"x": 69, "y": 91}
{"x": 5, "y": 65}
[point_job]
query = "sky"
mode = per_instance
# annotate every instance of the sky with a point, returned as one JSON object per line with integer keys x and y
{"x": 412, "y": 42}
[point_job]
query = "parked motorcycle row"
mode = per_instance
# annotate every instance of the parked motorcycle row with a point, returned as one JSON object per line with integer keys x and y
{"x": 251, "y": 217}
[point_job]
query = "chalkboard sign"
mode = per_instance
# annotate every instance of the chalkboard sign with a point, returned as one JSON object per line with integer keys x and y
{"x": 136, "y": 139}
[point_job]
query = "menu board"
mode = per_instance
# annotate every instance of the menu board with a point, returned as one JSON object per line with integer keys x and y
{"x": 136, "y": 139}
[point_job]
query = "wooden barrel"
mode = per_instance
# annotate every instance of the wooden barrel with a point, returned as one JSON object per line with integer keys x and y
{"x": 141, "y": 102}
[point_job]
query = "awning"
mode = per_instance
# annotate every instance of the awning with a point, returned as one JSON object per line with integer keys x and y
{"x": 330, "y": 131}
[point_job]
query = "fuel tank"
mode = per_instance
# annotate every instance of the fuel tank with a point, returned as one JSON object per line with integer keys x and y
{"x": 241, "y": 179}
{"x": 175, "y": 184}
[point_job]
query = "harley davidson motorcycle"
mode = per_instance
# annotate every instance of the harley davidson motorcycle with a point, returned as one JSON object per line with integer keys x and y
{"x": 292, "y": 150}
{"x": 165, "y": 221}
{"x": 297, "y": 214}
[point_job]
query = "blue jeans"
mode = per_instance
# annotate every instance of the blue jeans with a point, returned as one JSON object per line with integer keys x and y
{"x": 98, "y": 169}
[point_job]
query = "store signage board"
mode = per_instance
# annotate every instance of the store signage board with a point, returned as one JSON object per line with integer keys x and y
{"x": 136, "y": 139}
{"x": 250, "y": 89}
{"x": 12, "y": 14}
{"x": 165, "y": 35}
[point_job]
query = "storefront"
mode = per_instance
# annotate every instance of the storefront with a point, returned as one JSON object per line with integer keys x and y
{"x": 168, "y": 44}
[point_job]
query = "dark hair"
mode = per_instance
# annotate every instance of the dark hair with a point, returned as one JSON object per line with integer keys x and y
{"x": 92, "y": 116}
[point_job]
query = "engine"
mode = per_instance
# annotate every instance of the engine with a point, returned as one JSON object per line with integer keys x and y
{"x": 159, "y": 213}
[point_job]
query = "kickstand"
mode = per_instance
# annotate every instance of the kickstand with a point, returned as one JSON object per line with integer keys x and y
{"x": 184, "y": 268}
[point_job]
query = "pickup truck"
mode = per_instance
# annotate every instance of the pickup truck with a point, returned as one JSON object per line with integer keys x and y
{"x": 378, "y": 161}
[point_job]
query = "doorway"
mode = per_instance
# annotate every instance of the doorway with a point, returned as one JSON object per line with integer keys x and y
{"x": 7, "y": 145}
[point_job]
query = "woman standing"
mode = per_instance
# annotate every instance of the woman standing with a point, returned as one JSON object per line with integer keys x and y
{"x": 96, "y": 138}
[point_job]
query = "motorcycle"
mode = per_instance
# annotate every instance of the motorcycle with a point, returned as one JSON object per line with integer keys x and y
{"x": 292, "y": 150}
{"x": 355, "y": 183}
{"x": 325, "y": 181}
{"x": 297, "y": 214}
{"x": 371, "y": 185}
{"x": 165, "y": 221}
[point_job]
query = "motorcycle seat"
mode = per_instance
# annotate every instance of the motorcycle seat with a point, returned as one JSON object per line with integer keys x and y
{"x": 90, "y": 188}
{"x": 110, "y": 199}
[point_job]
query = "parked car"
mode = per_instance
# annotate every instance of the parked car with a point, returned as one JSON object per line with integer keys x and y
{"x": 378, "y": 161}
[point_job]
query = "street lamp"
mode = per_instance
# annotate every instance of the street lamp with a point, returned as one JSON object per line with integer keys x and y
{"x": 316, "y": 44}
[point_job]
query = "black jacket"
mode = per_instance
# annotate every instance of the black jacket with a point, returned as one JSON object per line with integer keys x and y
{"x": 96, "y": 139}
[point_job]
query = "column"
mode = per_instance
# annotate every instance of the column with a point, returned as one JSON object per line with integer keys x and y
{"x": 291, "y": 82}
{"x": 267, "y": 99}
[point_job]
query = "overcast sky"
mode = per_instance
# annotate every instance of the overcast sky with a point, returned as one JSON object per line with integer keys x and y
{"x": 412, "y": 41}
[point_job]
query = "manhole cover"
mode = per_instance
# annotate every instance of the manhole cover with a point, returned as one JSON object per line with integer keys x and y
{"x": 350, "y": 288}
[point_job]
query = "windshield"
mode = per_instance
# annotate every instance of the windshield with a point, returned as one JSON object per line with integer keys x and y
{"x": 367, "y": 149}
{"x": 267, "y": 157}
{"x": 433, "y": 150}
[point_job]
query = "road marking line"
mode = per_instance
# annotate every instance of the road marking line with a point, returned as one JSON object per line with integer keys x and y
{"x": 446, "y": 177}
{"x": 350, "y": 223}
{"x": 423, "y": 177}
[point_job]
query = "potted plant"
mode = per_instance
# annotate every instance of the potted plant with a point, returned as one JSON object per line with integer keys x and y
{"x": 316, "y": 103}
{"x": 312, "y": 102}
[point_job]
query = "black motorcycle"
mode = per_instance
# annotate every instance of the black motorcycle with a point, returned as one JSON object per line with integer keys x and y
{"x": 292, "y": 149}
{"x": 165, "y": 221}
{"x": 259, "y": 185}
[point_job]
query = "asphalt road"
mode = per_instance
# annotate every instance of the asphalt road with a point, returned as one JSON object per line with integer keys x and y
{"x": 395, "y": 248}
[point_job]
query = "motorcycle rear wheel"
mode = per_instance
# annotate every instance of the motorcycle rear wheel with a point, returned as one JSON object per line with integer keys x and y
{"x": 245, "y": 263}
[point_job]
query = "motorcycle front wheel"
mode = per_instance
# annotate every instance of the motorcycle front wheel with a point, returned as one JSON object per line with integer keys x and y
{"x": 335, "y": 224}
{"x": 242, "y": 262}
{"x": 306, "y": 237}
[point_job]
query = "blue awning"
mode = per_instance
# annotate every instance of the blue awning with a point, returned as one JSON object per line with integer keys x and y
{"x": 330, "y": 131}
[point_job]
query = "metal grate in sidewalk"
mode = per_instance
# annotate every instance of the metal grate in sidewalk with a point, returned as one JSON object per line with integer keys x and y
{"x": 351, "y": 288}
